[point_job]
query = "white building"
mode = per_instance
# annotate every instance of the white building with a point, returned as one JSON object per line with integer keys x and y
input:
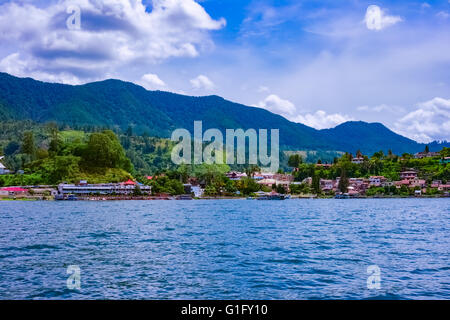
{"x": 124, "y": 188}
{"x": 2, "y": 167}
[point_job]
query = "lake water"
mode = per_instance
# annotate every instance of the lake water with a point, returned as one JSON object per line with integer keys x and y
{"x": 226, "y": 249}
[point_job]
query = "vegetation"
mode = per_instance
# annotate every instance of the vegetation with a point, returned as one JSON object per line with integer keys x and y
{"x": 122, "y": 105}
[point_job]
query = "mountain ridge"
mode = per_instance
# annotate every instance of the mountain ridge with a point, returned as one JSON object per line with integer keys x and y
{"x": 118, "y": 103}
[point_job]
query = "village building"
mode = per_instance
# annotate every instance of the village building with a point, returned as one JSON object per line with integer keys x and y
{"x": 408, "y": 175}
{"x": 235, "y": 176}
{"x": 377, "y": 181}
{"x": 83, "y": 188}
{"x": 358, "y": 160}
{"x": 324, "y": 165}
{"x": 13, "y": 192}
{"x": 327, "y": 185}
{"x": 421, "y": 155}
{"x": 43, "y": 191}
{"x": 3, "y": 169}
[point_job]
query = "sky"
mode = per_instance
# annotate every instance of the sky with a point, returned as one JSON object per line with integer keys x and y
{"x": 316, "y": 62}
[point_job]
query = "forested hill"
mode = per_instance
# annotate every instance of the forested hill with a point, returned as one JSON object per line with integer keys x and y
{"x": 115, "y": 103}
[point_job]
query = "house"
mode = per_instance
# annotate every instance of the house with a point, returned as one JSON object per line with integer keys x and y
{"x": 408, "y": 175}
{"x": 358, "y": 160}
{"x": 417, "y": 183}
{"x": 267, "y": 182}
{"x": 324, "y": 165}
{"x": 377, "y": 181}
{"x": 421, "y": 155}
{"x": 13, "y": 191}
{"x": 327, "y": 185}
{"x": 436, "y": 183}
{"x": 235, "y": 176}
{"x": 445, "y": 160}
{"x": 42, "y": 192}
{"x": 3, "y": 169}
{"x": 404, "y": 182}
{"x": 359, "y": 185}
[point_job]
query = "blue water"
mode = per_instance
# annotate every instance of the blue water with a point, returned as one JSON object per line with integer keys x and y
{"x": 226, "y": 249}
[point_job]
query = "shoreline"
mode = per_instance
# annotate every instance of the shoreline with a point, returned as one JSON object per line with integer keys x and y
{"x": 218, "y": 198}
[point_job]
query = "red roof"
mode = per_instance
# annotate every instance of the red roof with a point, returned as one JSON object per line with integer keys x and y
{"x": 149, "y": 177}
{"x": 14, "y": 189}
{"x": 129, "y": 182}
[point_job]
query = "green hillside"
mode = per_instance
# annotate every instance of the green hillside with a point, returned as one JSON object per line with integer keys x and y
{"x": 118, "y": 104}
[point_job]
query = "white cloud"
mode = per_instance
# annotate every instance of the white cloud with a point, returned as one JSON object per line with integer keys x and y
{"x": 202, "y": 82}
{"x": 430, "y": 121}
{"x": 381, "y": 108}
{"x": 151, "y": 81}
{"x": 321, "y": 120}
{"x": 443, "y": 14}
{"x": 113, "y": 34}
{"x": 376, "y": 19}
{"x": 275, "y": 104}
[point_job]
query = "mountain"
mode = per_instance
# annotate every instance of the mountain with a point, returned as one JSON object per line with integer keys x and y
{"x": 115, "y": 103}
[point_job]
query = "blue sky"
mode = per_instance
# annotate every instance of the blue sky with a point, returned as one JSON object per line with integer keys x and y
{"x": 316, "y": 62}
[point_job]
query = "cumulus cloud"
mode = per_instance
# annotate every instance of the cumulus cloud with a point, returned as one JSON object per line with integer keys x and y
{"x": 202, "y": 82}
{"x": 113, "y": 33}
{"x": 151, "y": 81}
{"x": 381, "y": 108}
{"x": 377, "y": 19}
{"x": 443, "y": 14}
{"x": 430, "y": 121}
{"x": 321, "y": 120}
{"x": 275, "y": 104}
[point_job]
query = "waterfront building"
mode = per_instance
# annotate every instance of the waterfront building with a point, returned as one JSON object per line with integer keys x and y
{"x": 327, "y": 185}
{"x": 13, "y": 191}
{"x": 124, "y": 188}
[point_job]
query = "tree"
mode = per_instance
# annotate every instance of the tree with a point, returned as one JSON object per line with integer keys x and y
{"x": 250, "y": 171}
{"x": 105, "y": 151}
{"x": 55, "y": 141}
{"x": 129, "y": 131}
{"x": 343, "y": 181}
{"x": 11, "y": 148}
{"x": 295, "y": 161}
{"x": 427, "y": 149}
{"x": 315, "y": 184}
{"x": 280, "y": 189}
{"x": 28, "y": 144}
{"x": 137, "y": 190}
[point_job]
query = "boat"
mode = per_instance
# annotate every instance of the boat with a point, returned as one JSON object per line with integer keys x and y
{"x": 184, "y": 197}
{"x": 342, "y": 196}
{"x": 72, "y": 197}
{"x": 273, "y": 196}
